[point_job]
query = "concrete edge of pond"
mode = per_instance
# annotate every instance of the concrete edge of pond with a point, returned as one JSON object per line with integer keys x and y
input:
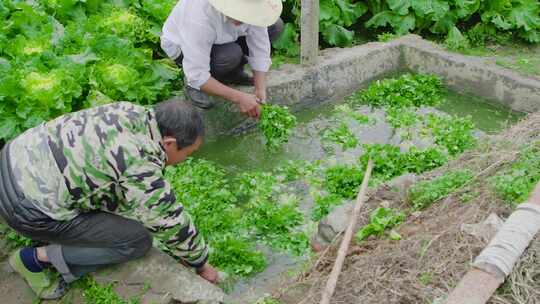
{"x": 340, "y": 72}
{"x": 471, "y": 75}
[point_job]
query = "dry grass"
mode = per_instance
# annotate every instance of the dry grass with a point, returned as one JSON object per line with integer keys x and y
{"x": 434, "y": 252}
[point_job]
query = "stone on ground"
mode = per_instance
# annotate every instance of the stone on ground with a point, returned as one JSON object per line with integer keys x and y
{"x": 162, "y": 280}
{"x": 154, "y": 279}
{"x": 485, "y": 230}
{"x": 335, "y": 222}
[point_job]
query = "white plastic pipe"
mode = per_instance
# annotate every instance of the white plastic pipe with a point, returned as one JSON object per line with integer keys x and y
{"x": 505, "y": 249}
{"x": 496, "y": 261}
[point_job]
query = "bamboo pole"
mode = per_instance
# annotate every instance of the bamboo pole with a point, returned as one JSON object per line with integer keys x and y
{"x": 336, "y": 270}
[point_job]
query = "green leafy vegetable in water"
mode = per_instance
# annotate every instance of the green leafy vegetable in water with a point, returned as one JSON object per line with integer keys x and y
{"x": 273, "y": 222}
{"x": 325, "y": 204}
{"x": 407, "y": 90}
{"x": 233, "y": 215}
{"x": 390, "y": 162}
{"x": 343, "y": 180}
{"x": 402, "y": 118}
{"x": 419, "y": 161}
{"x": 387, "y": 160}
{"x": 341, "y": 135}
{"x": 276, "y": 124}
{"x": 206, "y": 193}
{"x": 234, "y": 254}
{"x": 452, "y": 132}
{"x": 380, "y": 220}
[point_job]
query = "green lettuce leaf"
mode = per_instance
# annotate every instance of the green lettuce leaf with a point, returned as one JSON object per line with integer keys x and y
{"x": 337, "y": 35}
{"x": 401, "y": 7}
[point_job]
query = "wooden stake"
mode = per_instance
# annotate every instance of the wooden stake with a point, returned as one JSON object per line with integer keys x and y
{"x": 309, "y": 32}
{"x": 344, "y": 247}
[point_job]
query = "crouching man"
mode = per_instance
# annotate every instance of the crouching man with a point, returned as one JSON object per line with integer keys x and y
{"x": 90, "y": 185}
{"x": 212, "y": 40}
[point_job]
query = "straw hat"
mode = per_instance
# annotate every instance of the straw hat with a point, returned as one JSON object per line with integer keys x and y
{"x": 254, "y": 12}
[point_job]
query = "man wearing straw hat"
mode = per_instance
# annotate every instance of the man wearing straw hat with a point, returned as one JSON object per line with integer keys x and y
{"x": 213, "y": 39}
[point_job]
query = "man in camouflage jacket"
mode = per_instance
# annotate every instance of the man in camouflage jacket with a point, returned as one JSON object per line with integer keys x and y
{"x": 91, "y": 185}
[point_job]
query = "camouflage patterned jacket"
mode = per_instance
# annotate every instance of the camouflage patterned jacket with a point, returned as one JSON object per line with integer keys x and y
{"x": 107, "y": 158}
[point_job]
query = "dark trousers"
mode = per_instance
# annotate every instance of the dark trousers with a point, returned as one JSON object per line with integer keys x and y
{"x": 230, "y": 57}
{"x": 79, "y": 246}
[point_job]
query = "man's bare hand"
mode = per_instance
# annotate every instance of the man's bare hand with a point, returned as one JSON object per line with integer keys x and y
{"x": 248, "y": 105}
{"x": 261, "y": 96}
{"x": 208, "y": 273}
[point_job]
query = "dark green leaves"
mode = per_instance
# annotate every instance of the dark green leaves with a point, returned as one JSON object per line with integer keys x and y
{"x": 337, "y": 35}
{"x": 287, "y": 43}
{"x": 335, "y": 16}
{"x": 339, "y": 18}
{"x": 441, "y": 16}
{"x": 522, "y": 15}
{"x": 401, "y": 24}
{"x": 350, "y": 12}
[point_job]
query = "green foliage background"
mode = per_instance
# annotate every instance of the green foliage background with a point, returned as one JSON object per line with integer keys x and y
{"x": 481, "y": 20}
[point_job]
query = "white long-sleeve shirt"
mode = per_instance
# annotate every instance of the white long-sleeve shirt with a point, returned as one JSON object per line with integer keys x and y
{"x": 195, "y": 25}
